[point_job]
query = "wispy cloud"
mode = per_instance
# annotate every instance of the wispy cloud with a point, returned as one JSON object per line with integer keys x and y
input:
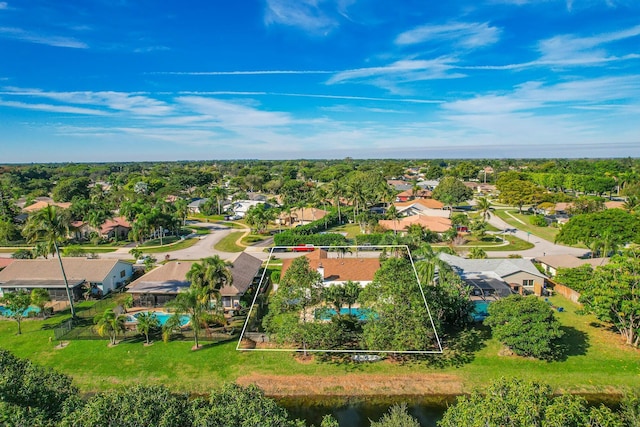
{"x": 133, "y": 103}
{"x": 304, "y": 14}
{"x": 4, "y": 5}
{"x": 26, "y": 36}
{"x": 52, "y": 108}
{"x": 535, "y": 95}
{"x": 467, "y": 35}
{"x": 233, "y": 114}
{"x": 569, "y": 50}
{"x": 399, "y": 72}
{"x": 241, "y": 72}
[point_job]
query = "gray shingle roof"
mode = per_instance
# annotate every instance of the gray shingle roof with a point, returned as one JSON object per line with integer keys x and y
{"x": 501, "y": 266}
{"x": 91, "y": 270}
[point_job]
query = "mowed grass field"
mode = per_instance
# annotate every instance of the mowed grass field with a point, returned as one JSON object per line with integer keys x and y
{"x": 597, "y": 361}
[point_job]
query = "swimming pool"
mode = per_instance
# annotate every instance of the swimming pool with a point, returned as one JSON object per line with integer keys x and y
{"x": 4, "y": 311}
{"x": 163, "y": 317}
{"x": 480, "y": 312}
{"x": 328, "y": 313}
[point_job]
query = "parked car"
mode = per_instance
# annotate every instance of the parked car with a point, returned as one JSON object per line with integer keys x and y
{"x": 304, "y": 248}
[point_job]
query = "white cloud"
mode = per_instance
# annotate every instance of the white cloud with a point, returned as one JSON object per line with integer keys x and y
{"x": 132, "y": 103}
{"x": 403, "y": 71}
{"x": 52, "y": 108}
{"x": 3, "y": 5}
{"x": 466, "y": 35}
{"x": 233, "y": 115}
{"x": 56, "y": 41}
{"x": 242, "y": 72}
{"x": 304, "y": 14}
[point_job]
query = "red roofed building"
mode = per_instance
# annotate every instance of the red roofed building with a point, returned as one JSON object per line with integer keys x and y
{"x": 339, "y": 270}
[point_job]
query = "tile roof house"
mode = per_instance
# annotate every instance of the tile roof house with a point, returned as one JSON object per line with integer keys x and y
{"x": 100, "y": 275}
{"x": 407, "y": 195}
{"x": 163, "y": 283}
{"x": 339, "y": 270}
{"x": 551, "y": 263}
{"x": 516, "y": 273}
{"x": 43, "y": 204}
{"x": 301, "y": 216}
{"x": 5, "y": 262}
{"x": 429, "y": 207}
{"x": 432, "y": 223}
{"x": 117, "y": 227}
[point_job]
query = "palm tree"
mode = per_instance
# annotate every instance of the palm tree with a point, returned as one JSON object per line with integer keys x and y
{"x": 477, "y": 253}
{"x": 351, "y": 293}
{"x": 190, "y": 303}
{"x": 50, "y": 226}
{"x": 394, "y": 215}
{"x": 182, "y": 210}
{"x": 335, "y": 192}
{"x": 483, "y": 206}
{"x": 146, "y": 322}
{"x": 219, "y": 193}
{"x": 209, "y": 277}
{"x": 109, "y": 324}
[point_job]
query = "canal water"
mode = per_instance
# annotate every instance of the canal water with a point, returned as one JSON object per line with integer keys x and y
{"x": 359, "y": 412}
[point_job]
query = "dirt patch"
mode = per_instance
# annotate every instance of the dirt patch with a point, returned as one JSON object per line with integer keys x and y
{"x": 355, "y": 384}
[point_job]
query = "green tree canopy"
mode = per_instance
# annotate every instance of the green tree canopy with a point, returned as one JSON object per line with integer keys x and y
{"x": 17, "y": 302}
{"x": 526, "y": 325}
{"x": 616, "y": 225}
{"x": 452, "y": 191}
{"x": 613, "y": 295}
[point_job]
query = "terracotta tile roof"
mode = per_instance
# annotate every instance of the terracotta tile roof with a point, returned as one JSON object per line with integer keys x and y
{"x": 306, "y": 214}
{"x": 614, "y": 204}
{"x": 5, "y": 262}
{"x": 91, "y": 270}
{"x": 427, "y": 203}
{"x": 420, "y": 194}
{"x": 41, "y": 205}
{"x": 433, "y": 223}
{"x": 339, "y": 269}
{"x": 110, "y": 224}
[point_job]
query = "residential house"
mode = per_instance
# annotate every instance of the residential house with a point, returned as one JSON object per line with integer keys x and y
{"x": 488, "y": 277}
{"x": 100, "y": 276}
{"x": 301, "y": 216}
{"x": 432, "y": 223}
{"x": 429, "y": 207}
{"x": 245, "y": 272}
{"x": 5, "y": 262}
{"x": 240, "y": 207}
{"x": 41, "y": 204}
{"x": 163, "y": 283}
{"x": 114, "y": 228}
{"x": 337, "y": 270}
{"x": 551, "y": 263}
{"x": 407, "y": 195}
{"x": 399, "y": 185}
{"x": 196, "y": 205}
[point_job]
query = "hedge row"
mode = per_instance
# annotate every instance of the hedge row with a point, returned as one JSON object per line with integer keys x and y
{"x": 291, "y": 239}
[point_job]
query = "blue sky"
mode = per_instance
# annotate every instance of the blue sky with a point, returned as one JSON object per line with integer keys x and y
{"x": 119, "y": 80}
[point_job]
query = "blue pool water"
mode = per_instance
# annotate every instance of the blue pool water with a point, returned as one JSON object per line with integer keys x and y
{"x": 480, "y": 311}
{"x": 327, "y": 314}
{"x": 163, "y": 317}
{"x": 7, "y": 313}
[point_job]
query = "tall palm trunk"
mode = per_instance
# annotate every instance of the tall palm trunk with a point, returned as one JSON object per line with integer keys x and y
{"x": 66, "y": 282}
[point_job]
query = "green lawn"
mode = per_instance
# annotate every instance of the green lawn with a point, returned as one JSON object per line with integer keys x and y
{"x": 597, "y": 361}
{"x": 352, "y": 230}
{"x": 547, "y": 233}
{"x": 228, "y": 242}
{"x": 182, "y": 244}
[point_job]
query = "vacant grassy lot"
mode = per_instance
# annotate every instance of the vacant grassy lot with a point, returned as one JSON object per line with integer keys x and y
{"x": 228, "y": 242}
{"x": 596, "y": 361}
{"x": 547, "y": 233}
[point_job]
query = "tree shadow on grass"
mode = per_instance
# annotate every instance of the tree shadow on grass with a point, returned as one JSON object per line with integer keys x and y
{"x": 573, "y": 343}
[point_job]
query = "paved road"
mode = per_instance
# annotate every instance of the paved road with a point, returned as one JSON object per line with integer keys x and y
{"x": 205, "y": 246}
{"x": 542, "y": 247}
